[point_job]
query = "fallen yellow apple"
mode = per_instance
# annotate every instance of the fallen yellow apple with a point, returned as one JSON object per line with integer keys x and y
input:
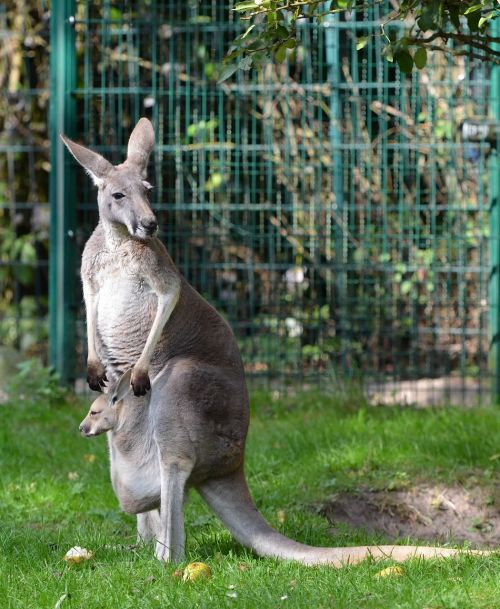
{"x": 195, "y": 571}
{"x": 394, "y": 571}
{"x": 76, "y": 555}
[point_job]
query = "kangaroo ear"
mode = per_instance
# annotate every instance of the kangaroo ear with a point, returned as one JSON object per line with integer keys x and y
{"x": 95, "y": 165}
{"x": 140, "y": 144}
{"x": 122, "y": 387}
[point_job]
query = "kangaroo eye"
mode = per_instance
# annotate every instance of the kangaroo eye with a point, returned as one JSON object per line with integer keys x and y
{"x": 93, "y": 413}
{"x": 118, "y": 195}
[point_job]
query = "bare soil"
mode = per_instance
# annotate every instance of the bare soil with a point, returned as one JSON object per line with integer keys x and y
{"x": 436, "y": 513}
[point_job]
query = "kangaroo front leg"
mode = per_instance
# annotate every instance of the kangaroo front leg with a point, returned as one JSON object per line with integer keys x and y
{"x": 96, "y": 373}
{"x": 171, "y": 540}
{"x": 148, "y": 526}
{"x": 140, "y": 373}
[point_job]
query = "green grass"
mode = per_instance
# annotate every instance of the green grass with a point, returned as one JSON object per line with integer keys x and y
{"x": 300, "y": 451}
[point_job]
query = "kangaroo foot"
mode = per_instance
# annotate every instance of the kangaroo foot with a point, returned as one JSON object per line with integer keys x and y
{"x": 168, "y": 554}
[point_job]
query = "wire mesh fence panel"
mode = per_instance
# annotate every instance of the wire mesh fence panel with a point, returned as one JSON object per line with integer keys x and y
{"x": 412, "y": 299}
{"x": 326, "y": 206}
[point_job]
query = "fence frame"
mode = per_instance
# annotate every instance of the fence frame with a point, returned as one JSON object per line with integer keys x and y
{"x": 494, "y": 246}
{"x": 62, "y": 251}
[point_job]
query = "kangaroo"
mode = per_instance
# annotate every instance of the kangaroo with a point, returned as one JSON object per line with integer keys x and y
{"x": 144, "y": 319}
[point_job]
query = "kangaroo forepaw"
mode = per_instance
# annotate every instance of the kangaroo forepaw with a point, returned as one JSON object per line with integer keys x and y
{"x": 140, "y": 382}
{"x": 96, "y": 376}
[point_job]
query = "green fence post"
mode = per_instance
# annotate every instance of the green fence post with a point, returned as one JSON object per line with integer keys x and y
{"x": 333, "y": 60}
{"x": 494, "y": 171}
{"x": 62, "y": 310}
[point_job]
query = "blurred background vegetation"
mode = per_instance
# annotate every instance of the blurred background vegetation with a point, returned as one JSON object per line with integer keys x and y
{"x": 24, "y": 175}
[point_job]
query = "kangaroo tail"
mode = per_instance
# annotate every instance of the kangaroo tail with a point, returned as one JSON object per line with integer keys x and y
{"x": 230, "y": 499}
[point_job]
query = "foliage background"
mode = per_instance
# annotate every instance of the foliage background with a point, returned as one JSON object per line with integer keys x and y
{"x": 429, "y": 25}
{"x": 24, "y": 171}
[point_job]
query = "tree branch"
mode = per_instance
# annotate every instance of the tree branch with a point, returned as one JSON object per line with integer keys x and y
{"x": 462, "y": 39}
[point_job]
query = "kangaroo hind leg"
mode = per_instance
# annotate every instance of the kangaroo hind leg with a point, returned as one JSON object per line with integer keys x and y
{"x": 171, "y": 539}
{"x": 148, "y": 526}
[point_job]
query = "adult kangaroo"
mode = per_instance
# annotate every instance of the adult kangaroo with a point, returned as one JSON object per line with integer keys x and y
{"x": 191, "y": 429}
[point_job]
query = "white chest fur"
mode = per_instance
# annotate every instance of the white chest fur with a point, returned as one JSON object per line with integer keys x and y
{"x": 125, "y": 304}
{"x": 135, "y": 476}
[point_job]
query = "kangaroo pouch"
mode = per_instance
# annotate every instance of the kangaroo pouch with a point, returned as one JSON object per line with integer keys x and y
{"x": 125, "y": 313}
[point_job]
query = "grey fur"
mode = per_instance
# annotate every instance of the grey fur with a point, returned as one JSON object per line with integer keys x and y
{"x": 190, "y": 430}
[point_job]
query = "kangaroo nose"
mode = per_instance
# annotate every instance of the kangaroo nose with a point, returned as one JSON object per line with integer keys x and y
{"x": 149, "y": 225}
{"x": 83, "y": 429}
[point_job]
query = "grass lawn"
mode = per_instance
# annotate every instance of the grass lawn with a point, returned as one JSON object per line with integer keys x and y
{"x": 56, "y": 493}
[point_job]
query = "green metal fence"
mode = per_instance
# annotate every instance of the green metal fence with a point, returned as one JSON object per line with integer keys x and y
{"x": 328, "y": 207}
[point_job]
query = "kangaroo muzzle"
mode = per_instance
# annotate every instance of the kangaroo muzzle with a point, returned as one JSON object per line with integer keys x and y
{"x": 85, "y": 430}
{"x": 149, "y": 225}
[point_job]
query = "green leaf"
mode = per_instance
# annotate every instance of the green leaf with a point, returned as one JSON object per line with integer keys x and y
{"x": 228, "y": 71}
{"x": 420, "y": 58}
{"x": 115, "y": 14}
{"x": 17, "y": 247}
{"x": 406, "y": 287}
{"x": 486, "y": 18}
{"x": 290, "y": 44}
{"x": 426, "y": 21}
{"x": 281, "y": 32}
{"x": 388, "y": 52}
{"x": 280, "y": 54}
{"x": 324, "y": 312}
{"x": 248, "y": 30}
{"x": 209, "y": 69}
{"x": 214, "y": 181}
{"x": 24, "y": 274}
{"x": 361, "y": 42}
{"x": 405, "y": 61}
{"x": 258, "y": 58}
{"x": 28, "y": 253}
{"x": 245, "y": 6}
{"x": 271, "y": 19}
{"x": 473, "y": 9}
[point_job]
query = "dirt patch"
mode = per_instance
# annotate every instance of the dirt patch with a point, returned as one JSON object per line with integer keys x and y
{"x": 436, "y": 513}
